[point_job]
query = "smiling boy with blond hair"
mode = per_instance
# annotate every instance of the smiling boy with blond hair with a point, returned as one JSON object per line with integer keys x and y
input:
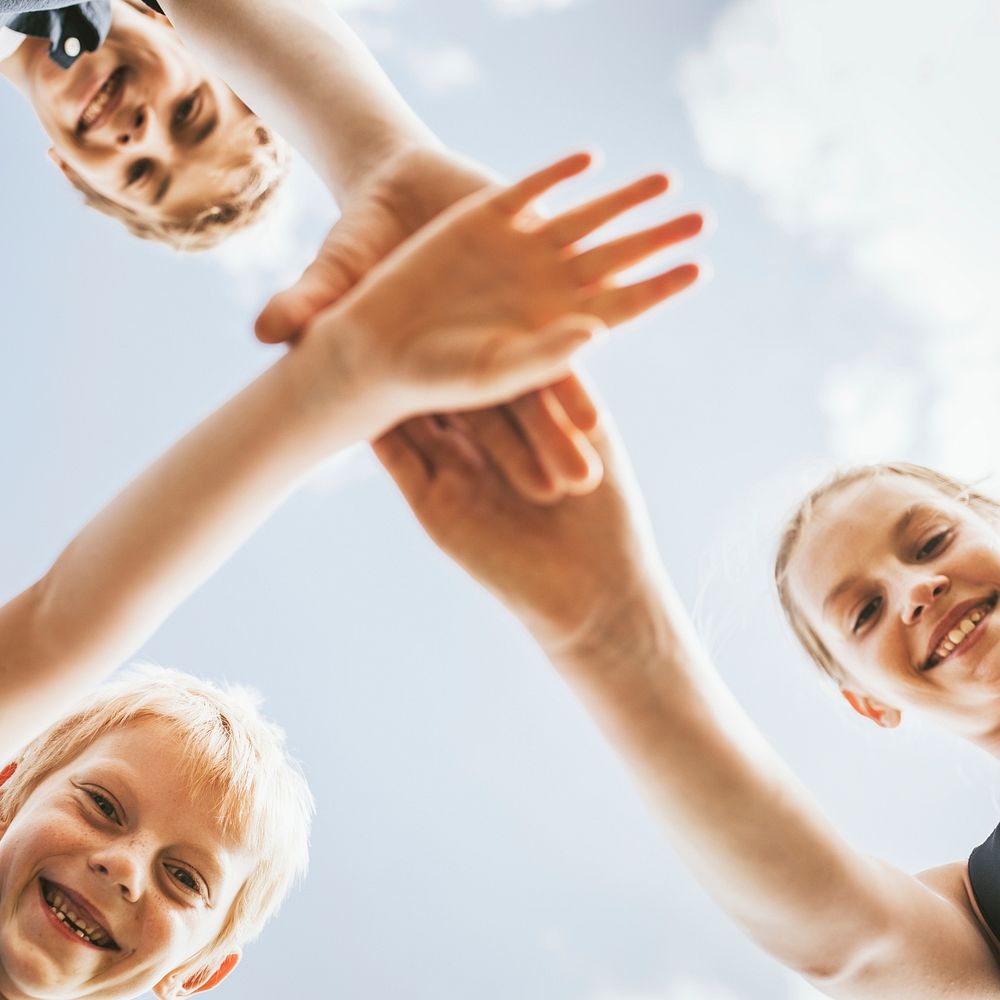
{"x": 145, "y": 838}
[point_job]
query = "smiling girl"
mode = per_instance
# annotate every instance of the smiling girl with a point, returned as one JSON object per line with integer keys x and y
{"x": 890, "y": 575}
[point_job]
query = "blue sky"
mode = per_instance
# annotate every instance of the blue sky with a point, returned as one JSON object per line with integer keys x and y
{"x": 475, "y": 835}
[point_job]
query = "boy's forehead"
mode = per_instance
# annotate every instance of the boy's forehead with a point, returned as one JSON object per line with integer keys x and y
{"x": 151, "y": 761}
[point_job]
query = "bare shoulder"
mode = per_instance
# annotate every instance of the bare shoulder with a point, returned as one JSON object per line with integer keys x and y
{"x": 930, "y": 943}
{"x": 951, "y": 882}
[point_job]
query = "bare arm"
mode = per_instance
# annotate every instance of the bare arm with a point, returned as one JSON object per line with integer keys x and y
{"x": 473, "y": 311}
{"x": 158, "y": 539}
{"x": 299, "y": 66}
{"x": 585, "y": 578}
{"x": 856, "y": 927}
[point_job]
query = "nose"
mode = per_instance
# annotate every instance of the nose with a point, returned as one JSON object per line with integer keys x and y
{"x": 133, "y": 126}
{"x": 923, "y": 592}
{"x": 121, "y": 863}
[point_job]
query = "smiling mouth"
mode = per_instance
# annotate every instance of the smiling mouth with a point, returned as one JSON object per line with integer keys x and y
{"x": 103, "y": 103}
{"x": 960, "y": 632}
{"x": 68, "y": 913}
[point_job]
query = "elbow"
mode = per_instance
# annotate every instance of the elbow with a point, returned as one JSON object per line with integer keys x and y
{"x": 859, "y": 957}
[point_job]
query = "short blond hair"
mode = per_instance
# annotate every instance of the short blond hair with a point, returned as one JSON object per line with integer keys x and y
{"x": 264, "y": 803}
{"x": 804, "y": 631}
{"x": 266, "y": 167}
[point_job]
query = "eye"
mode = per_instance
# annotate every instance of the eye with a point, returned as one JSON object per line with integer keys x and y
{"x": 137, "y": 171}
{"x": 104, "y": 804}
{"x": 932, "y": 546}
{"x": 866, "y": 614}
{"x": 187, "y": 879}
{"x": 185, "y": 110}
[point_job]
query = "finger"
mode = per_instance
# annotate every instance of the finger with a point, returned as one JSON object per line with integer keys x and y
{"x": 616, "y": 305}
{"x": 520, "y": 362}
{"x": 576, "y": 402}
{"x": 496, "y": 434}
{"x": 288, "y": 312}
{"x": 403, "y": 460}
{"x": 584, "y": 219}
{"x": 519, "y": 195}
{"x": 560, "y": 447}
{"x": 445, "y": 449}
{"x": 610, "y": 258}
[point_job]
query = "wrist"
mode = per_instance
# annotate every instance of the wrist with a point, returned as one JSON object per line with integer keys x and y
{"x": 630, "y": 648}
{"x": 339, "y": 377}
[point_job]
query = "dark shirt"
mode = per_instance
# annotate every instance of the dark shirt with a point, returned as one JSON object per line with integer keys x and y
{"x": 984, "y": 877}
{"x": 72, "y": 28}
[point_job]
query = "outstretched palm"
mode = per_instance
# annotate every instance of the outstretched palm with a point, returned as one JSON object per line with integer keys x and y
{"x": 538, "y": 440}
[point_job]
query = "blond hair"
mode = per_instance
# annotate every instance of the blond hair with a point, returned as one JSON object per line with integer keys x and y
{"x": 266, "y": 167}
{"x": 803, "y": 515}
{"x": 231, "y": 751}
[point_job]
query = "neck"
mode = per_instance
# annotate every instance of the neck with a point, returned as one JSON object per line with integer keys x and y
{"x": 989, "y": 740}
{"x": 978, "y": 724}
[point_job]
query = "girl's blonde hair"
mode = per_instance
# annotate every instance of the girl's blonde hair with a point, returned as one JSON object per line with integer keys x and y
{"x": 231, "y": 752}
{"x": 803, "y": 514}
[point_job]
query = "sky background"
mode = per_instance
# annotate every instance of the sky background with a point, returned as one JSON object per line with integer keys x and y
{"x": 475, "y": 835}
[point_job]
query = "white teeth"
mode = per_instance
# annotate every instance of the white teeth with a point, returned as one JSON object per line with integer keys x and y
{"x": 64, "y": 912}
{"x": 100, "y": 100}
{"x": 957, "y": 635}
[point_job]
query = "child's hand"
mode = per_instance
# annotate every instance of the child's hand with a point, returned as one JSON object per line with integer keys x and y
{"x": 564, "y": 569}
{"x": 539, "y": 440}
{"x": 489, "y": 301}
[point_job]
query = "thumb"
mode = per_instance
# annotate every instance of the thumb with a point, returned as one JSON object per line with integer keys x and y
{"x": 288, "y": 312}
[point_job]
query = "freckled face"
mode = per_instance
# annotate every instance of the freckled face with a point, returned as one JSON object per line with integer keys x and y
{"x": 141, "y": 121}
{"x": 900, "y": 582}
{"x": 117, "y": 839}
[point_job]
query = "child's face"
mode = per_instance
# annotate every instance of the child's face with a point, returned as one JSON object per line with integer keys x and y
{"x": 118, "y": 832}
{"x": 141, "y": 121}
{"x": 890, "y": 572}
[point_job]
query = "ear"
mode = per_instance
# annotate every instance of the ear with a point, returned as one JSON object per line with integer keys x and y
{"x": 882, "y": 715}
{"x": 168, "y": 989}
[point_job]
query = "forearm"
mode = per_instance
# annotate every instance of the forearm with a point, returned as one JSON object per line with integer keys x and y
{"x": 299, "y": 66}
{"x": 163, "y": 536}
{"x": 732, "y": 809}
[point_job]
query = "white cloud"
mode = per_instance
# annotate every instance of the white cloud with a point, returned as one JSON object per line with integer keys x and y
{"x": 872, "y": 408}
{"x": 519, "y": 8}
{"x": 443, "y": 69}
{"x": 869, "y": 130}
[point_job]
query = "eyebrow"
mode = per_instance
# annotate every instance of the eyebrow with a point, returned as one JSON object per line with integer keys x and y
{"x": 899, "y": 530}
{"x": 199, "y": 137}
{"x": 163, "y": 188}
{"x": 206, "y": 130}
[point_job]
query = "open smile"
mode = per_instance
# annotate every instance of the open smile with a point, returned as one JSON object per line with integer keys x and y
{"x": 104, "y": 102}
{"x": 960, "y": 630}
{"x": 69, "y": 915}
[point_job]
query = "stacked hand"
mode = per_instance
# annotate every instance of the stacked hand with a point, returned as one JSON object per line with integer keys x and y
{"x": 569, "y": 570}
{"x": 538, "y": 441}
